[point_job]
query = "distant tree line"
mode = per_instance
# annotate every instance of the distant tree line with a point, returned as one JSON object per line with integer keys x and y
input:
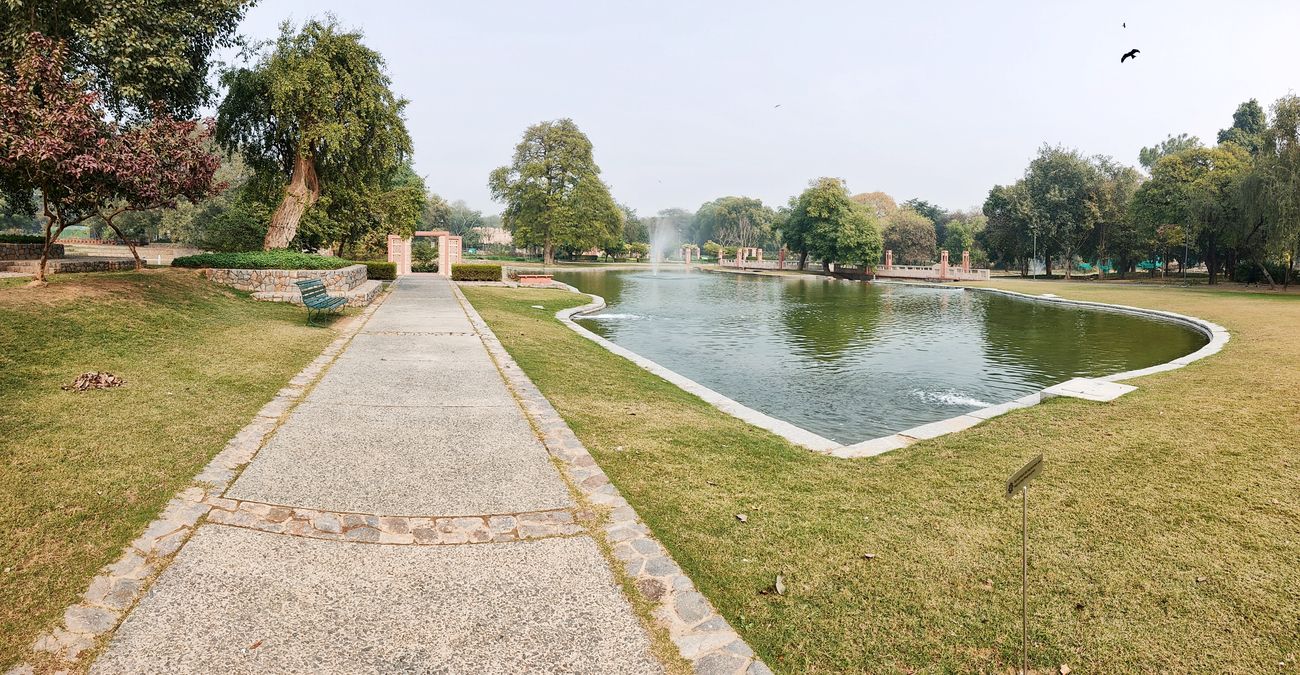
{"x": 1234, "y": 207}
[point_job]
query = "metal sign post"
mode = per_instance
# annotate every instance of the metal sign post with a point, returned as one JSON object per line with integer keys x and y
{"x": 1019, "y": 483}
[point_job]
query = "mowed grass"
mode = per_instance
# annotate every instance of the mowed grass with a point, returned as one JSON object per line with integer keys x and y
{"x": 1165, "y": 528}
{"x": 81, "y": 474}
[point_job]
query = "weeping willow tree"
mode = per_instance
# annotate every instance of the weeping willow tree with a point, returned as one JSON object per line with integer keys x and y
{"x": 315, "y": 115}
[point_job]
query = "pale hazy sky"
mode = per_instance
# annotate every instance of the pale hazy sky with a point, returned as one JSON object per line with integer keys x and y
{"x": 938, "y": 100}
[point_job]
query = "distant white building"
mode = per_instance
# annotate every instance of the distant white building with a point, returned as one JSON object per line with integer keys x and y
{"x": 495, "y": 236}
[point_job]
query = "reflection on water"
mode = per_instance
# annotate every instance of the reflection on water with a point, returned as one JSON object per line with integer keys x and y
{"x": 853, "y": 361}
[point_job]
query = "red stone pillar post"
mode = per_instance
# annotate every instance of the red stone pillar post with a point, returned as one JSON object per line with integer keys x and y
{"x": 943, "y": 265}
{"x": 965, "y": 261}
{"x": 780, "y": 258}
{"x": 889, "y": 259}
{"x": 760, "y": 254}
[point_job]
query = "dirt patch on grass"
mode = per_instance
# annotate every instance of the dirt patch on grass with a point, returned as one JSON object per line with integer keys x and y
{"x": 114, "y": 286}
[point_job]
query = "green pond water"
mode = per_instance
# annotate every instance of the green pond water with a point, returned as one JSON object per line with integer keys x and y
{"x": 853, "y": 361}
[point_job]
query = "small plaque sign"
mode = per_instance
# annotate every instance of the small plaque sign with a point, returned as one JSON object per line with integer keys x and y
{"x": 1022, "y": 477}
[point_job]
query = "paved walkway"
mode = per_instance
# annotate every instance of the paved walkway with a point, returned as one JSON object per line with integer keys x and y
{"x": 404, "y": 518}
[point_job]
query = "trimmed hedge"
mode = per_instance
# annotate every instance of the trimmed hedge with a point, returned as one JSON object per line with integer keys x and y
{"x": 21, "y": 239}
{"x": 262, "y": 260}
{"x": 380, "y": 269}
{"x": 471, "y": 272}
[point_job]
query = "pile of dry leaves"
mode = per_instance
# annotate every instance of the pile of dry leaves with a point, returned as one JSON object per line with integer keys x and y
{"x": 101, "y": 380}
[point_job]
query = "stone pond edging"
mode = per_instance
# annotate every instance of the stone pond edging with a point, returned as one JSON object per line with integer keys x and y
{"x": 118, "y": 586}
{"x": 1217, "y": 335}
{"x": 702, "y": 635}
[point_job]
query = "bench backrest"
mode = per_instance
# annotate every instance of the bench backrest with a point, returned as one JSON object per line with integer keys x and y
{"x": 312, "y": 289}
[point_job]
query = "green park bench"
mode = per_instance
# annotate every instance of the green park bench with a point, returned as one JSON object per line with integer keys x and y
{"x": 317, "y": 300}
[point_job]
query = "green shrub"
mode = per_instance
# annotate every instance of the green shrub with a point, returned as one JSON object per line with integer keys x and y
{"x": 380, "y": 269}
{"x": 262, "y": 260}
{"x": 424, "y": 266}
{"x": 21, "y": 239}
{"x": 471, "y": 272}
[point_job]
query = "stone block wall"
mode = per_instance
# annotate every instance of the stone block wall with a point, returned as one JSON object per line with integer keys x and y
{"x": 282, "y": 281}
{"x": 27, "y": 251}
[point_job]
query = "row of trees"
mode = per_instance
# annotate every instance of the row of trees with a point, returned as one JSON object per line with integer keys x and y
{"x": 1234, "y": 206}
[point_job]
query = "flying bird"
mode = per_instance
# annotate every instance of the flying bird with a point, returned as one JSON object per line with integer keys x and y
{"x": 1124, "y": 25}
{"x": 777, "y": 105}
{"x": 1131, "y": 54}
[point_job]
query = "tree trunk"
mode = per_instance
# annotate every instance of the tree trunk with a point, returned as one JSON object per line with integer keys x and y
{"x": 1267, "y": 277}
{"x": 299, "y": 195}
{"x": 1024, "y": 267}
{"x": 803, "y": 261}
{"x": 1047, "y": 264}
{"x": 139, "y": 264}
{"x": 548, "y": 253}
{"x": 1069, "y": 263}
{"x": 1212, "y": 261}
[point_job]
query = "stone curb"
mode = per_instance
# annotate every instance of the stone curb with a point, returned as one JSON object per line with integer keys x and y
{"x": 1218, "y": 337}
{"x": 119, "y": 585}
{"x": 397, "y": 530}
{"x": 701, "y": 634}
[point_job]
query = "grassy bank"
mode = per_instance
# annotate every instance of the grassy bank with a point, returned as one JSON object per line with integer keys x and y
{"x": 1166, "y": 526}
{"x": 81, "y": 474}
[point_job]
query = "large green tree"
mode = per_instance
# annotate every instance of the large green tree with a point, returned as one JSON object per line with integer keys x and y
{"x": 1064, "y": 190}
{"x": 831, "y": 227}
{"x": 734, "y": 221}
{"x": 1115, "y": 232}
{"x": 1271, "y": 194}
{"x": 1009, "y": 236}
{"x": 315, "y": 116}
{"x": 133, "y": 53}
{"x": 1198, "y": 189}
{"x": 553, "y": 192}
{"x": 910, "y": 236}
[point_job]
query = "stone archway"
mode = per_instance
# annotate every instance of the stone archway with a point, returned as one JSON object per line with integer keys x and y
{"x": 449, "y": 249}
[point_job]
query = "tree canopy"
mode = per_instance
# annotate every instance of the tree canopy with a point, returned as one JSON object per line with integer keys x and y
{"x": 1148, "y": 157}
{"x": 56, "y": 140}
{"x": 553, "y": 192}
{"x": 826, "y": 224}
{"x": 734, "y": 221}
{"x": 316, "y": 116}
{"x": 134, "y": 53}
{"x": 1249, "y": 124}
{"x": 910, "y": 236}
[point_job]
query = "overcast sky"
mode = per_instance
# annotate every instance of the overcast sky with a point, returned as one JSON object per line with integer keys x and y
{"x": 938, "y": 100}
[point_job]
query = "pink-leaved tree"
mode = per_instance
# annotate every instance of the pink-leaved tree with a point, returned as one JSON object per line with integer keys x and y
{"x": 154, "y": 165}
{"x": 55, "y": 139}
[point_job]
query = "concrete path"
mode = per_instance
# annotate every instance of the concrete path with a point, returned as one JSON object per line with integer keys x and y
{"x": 405, "y": 518}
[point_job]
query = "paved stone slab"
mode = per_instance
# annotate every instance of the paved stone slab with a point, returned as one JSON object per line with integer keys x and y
{"x": 239, "y": 601}
{"x": 873, "y": 447}
{"x": 451, "y": 349}
{"x": 1088, "y": 389}
{"x": 404, "y": 461}
{"x": 412, "y": 383}
{"x": 418, "y": 322}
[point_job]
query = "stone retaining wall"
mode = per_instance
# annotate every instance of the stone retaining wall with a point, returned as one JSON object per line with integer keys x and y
{"x": 27, "y": 251}
{"x": 282, "y": 281}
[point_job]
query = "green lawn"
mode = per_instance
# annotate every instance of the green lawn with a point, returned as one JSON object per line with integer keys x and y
{"x": 81, "y": 474}
{"x": 1166, "y": 525}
